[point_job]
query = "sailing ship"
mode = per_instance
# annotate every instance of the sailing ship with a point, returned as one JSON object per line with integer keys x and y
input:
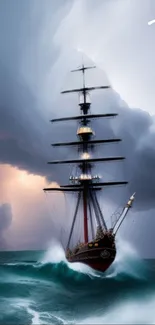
{"x": 97, "y": 250}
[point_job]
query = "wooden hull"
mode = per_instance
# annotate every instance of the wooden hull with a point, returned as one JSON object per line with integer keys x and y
{"x": 99, "y": 258}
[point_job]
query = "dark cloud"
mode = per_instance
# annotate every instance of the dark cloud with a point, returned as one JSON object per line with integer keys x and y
{"x": 25, "y": 132}
{"x": 21, "y": 127}
{"x": 137, "y": 130}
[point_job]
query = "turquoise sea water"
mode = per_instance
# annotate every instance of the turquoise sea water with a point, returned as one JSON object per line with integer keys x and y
{"x": 42, "y": 288}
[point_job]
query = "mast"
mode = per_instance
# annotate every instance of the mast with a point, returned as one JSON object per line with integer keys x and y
{"x": 86, "y": 183}
{"x": 85, "y": 214}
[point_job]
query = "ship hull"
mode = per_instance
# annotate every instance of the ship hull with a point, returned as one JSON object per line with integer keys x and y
{"x": 99, "y": 258}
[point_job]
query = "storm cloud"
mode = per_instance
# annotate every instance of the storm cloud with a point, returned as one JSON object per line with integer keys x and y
{"x": 24, "y": 120}
{"x": 39, "y": 42}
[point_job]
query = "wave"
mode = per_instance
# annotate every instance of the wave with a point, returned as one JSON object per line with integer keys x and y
{"x": 52, "y": 280}
{"x": 127, "y": 265}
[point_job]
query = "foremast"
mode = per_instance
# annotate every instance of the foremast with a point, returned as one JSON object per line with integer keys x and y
{"x": 85, "y": 183}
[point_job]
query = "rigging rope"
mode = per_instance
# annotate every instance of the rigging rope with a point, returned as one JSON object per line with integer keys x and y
{"x": 75, "y": 214}
{"x": 101, "y": 215}
{"x": 95, "y": 210}
{"x": 90, "y": 214}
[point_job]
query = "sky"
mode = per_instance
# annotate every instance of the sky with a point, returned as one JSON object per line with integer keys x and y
{"x": 40, "y": 42}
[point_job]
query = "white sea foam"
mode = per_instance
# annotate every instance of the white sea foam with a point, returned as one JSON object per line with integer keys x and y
{"x": 25, "y": 304}
{"x": 129, "y": 312}
{"x": 38, "y": 318}
{"x": 35, "y": 316}
{"x": 139, "y": 311}
{"x": 127, "y": 261}
{"x": 56, "y": 254}
{"x": 45, "y": 318}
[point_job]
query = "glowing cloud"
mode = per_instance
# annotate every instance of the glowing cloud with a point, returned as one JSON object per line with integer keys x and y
{"x": 151, "y": 22}
{"x": 31, "y": 222}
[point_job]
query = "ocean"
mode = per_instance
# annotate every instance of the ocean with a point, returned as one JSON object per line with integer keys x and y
{"x": 41, "y": 287}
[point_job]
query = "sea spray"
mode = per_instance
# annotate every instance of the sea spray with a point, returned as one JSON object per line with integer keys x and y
{"x": 56, "y": 254}
{"x": 127, "y": 262}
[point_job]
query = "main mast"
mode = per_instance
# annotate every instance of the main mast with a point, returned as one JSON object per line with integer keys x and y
{"x": 85, "y": 183}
